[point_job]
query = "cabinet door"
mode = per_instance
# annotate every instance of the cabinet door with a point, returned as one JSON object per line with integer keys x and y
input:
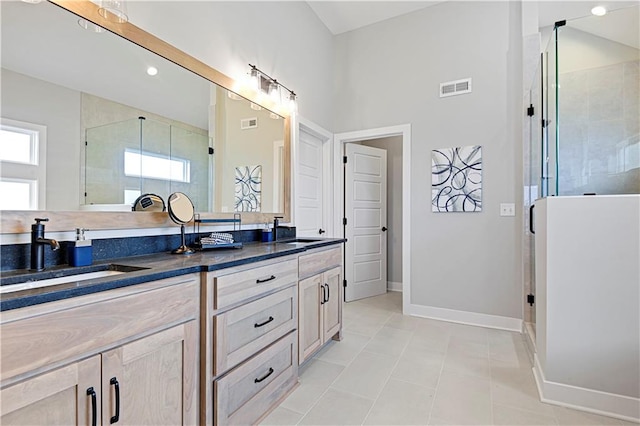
{"x": 152, "y": 381}
{"x": 332, "y": 307}
{"x": 67, "y": 396}
{"x": 309, "y": 316}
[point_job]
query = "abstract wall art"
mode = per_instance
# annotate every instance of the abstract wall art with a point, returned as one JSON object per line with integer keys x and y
{"x": 248, "y": 188}
{"x": 456, "y": 179}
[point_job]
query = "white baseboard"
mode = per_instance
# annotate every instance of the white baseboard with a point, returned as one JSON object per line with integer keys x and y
{"x": 583, "y": 399}
{"x": 394, "y": 286}
{"x": 464, "y": 317}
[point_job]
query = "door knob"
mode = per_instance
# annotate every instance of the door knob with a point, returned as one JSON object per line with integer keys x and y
{"x": 321, "y": 231}
{"x": 384, "y": 228}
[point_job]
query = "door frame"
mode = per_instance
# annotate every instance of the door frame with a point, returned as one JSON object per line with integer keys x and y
{"x": 327, "y": 179}
{"x": 339, "y": 140}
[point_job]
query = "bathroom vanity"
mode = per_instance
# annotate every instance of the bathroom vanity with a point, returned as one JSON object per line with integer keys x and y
{"x": 216, "y": 341}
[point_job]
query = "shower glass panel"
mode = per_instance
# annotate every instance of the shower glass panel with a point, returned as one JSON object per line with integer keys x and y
{"x": 549, "y": 119}
{"x": 105, "y": 179}
{"x": 532, "y": 179}
{"x": 126, "y": 159}
{"x": 597, "y": 88}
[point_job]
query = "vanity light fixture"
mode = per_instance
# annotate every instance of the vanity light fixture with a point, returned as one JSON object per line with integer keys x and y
{"x": 274, "y": 92}
{"x": 152, "y": 71}
{"x": 257, "y": 77}
{"x": 254, "y": 78}
{"x": 90, "y": 26}
{"x": 114, "y": 11}
{"x": 599, "y": 11}
{"x": 293, "y": 104}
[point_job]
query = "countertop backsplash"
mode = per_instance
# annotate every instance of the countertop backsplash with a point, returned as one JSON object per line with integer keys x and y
{"x": 17, "y": 256}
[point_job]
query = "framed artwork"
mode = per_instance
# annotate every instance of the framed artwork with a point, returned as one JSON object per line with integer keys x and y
{"x": 248, "y": 188}
{"x": 456, "y": 179}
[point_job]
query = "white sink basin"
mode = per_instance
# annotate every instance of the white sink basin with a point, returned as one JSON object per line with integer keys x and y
{"x": 59, "y": 280}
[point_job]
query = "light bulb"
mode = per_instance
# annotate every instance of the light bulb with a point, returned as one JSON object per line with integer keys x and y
{"x": 273, "y": 91}
{"x": 152, "y": 71}
{"x": 599, "y": 11}
{"x": 293, "y": 104}
{"x": 254, "y": 79}
{"x": 255, "y": 107}
{"x": 114, "y": 11}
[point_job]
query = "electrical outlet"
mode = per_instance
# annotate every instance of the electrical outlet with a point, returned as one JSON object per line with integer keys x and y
{"x": 507, "y": 209}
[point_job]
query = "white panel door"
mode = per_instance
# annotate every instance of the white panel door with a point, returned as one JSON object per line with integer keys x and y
{"x": 366, "y": 212}
{"x": 309, "y": 187}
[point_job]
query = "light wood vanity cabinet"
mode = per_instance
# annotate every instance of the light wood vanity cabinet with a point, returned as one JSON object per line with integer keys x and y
{"x": 249, "y": 340}
{"x": 319, "y": 299}
{"x": 130, "y": 352}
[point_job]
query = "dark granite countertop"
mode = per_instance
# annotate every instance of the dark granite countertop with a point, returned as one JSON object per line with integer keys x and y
{"x": 143, "y": 269}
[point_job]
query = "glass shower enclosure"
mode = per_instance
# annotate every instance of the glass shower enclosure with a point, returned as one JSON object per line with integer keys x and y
{"x": 126, "y": 159}
{"x": 584, "y": 115}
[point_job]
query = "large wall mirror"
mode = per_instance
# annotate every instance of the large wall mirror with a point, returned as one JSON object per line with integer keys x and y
{"x": 113, "y": 132}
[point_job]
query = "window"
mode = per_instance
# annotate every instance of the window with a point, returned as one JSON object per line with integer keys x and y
{"x": 22, "y": 165}
{"x": 153, "y": 166}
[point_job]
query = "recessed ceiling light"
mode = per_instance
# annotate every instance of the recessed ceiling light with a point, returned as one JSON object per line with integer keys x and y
{"x": 152, "y": 70}
{"x": 32, "y": 1}
{"x": 599, "y": 11}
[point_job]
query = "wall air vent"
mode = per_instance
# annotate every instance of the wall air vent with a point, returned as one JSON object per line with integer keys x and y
{"x": 458, "y": 87}
{"x": 248, "y": 123}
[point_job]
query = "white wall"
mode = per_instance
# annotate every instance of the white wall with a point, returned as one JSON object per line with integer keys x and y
{"x": 389, "y": 74}
{"x": 284, "y": 39}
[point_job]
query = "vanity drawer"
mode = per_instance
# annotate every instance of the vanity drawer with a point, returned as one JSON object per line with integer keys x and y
{"x": 238, "y": 286}
{"x": 245, "y": 330}
{"x": 252, "y": 388}
{"x": 314, "y": 263}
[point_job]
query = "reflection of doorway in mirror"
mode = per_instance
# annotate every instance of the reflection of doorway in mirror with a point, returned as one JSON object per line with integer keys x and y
{"x": 278, "y": 175}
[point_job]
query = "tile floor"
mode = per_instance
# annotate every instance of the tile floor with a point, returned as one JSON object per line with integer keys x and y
{"x": 392, "y": 369}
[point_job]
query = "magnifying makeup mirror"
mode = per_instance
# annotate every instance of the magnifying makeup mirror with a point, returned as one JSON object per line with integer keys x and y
{"x": 181, "y": 212}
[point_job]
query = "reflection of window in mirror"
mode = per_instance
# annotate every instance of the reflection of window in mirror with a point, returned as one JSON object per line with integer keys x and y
{"x": 22, "y": 168}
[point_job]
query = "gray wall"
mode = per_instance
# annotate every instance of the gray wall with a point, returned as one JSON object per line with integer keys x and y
{"x": 58, "y": 108}
{"x": 284, "y": 39}
{"x": 389, "y": 74}
{"x": 393, "y": 146}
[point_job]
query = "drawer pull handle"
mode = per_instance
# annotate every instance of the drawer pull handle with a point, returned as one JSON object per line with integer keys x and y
{"x": 256, "y": 325}
{"x": 94, "y": 406}
{"x": 259, "y": 281}
{"x": 264, "y": 377}
{"x": 116, "y": 385}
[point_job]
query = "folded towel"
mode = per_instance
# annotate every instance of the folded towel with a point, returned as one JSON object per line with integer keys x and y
{"x": 217, "y": 238}
{"x": 221, "y": 236}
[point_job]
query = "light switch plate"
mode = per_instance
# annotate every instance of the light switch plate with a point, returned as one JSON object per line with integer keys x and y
{"x": 507, "y": 209}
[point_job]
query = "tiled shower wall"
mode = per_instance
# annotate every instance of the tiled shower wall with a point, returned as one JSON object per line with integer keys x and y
{"x": 599, "y": 130}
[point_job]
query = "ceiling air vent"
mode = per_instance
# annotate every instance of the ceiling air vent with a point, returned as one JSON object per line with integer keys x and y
{"x": 248, "y": 123}
{"x": 458, "y": 87}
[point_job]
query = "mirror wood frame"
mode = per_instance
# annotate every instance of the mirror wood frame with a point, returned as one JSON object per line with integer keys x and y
{"x": 20, "y": 221}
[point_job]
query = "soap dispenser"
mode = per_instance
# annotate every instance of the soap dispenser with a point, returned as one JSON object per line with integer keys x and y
{"x": 80, "y": 251}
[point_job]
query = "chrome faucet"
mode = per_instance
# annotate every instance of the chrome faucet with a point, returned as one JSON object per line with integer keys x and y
{"x": 37, "y": 244}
